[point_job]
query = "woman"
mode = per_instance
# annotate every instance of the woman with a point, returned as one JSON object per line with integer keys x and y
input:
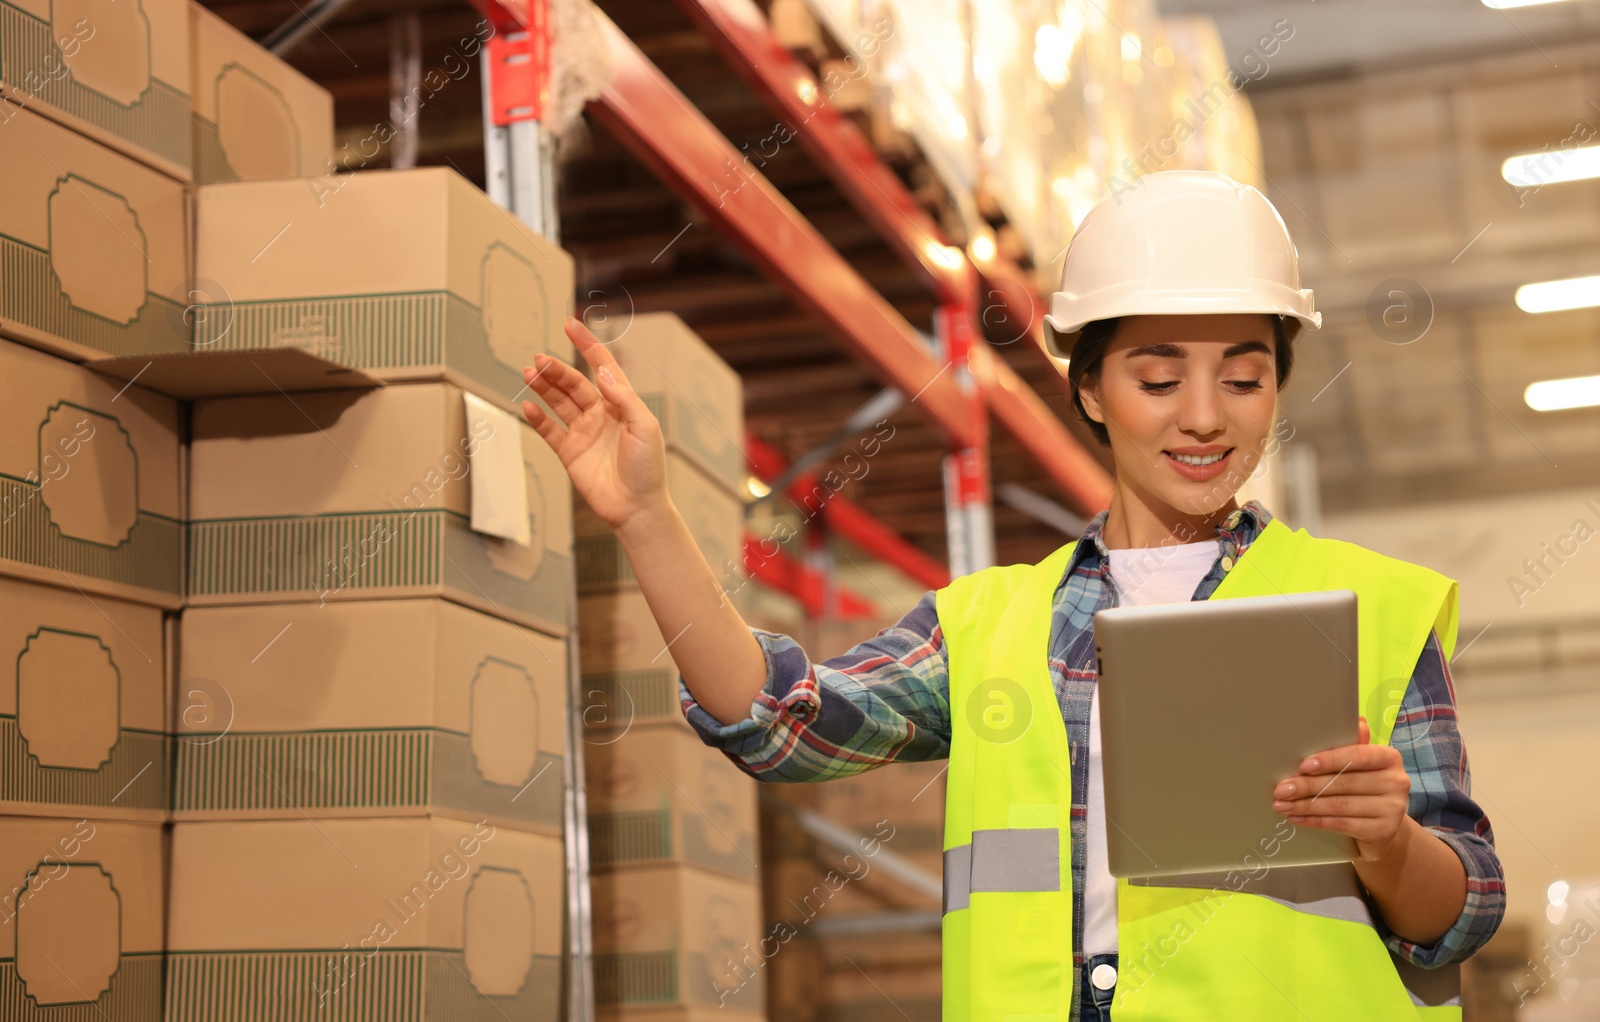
{"x": 1179, "y": 307}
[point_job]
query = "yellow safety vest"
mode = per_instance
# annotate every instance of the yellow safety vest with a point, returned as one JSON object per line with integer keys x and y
{"x": 1288, "y": 944}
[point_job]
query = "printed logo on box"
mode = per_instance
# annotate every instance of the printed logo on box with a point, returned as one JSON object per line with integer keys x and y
{"x": 498, "y": 934}
{"x": 513, "y": 305}
{"x": 255, "y": 126}
{"x": 69, "y": 933}
{"x": 69, "y": 696}
{"x": 98, "y": 251}
{"x": 117, "y": 66}
{"x": 96, "y": 497}
{"x": 505, "y": 723}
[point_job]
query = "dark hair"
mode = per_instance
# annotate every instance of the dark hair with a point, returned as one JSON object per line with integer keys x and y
{"x": 1094, "y": 338}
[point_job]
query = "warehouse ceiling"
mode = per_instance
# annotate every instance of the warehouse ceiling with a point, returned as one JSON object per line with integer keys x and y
{"x": 1391, "y": 184}
{"x": 1348, "y": 36}
{"x": 1381, "y": 174}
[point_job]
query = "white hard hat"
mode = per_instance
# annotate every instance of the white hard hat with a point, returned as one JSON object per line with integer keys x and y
{"x": 1179, "y": 242}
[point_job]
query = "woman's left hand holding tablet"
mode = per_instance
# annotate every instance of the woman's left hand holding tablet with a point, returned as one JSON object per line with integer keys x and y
{"x": 1360, "y": 790}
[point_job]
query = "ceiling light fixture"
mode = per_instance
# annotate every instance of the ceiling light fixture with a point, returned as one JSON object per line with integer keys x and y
{"x": 1501, "y": 5}
{"x": 1559, "y": 295}
{"x": 1552, "y": 166}
{"x": 1558, "y": 395}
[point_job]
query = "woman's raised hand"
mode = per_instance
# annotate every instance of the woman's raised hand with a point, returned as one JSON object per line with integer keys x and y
{"x": 610, "y": 444}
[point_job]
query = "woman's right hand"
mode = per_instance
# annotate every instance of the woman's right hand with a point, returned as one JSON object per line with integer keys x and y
{"x": 610, "y": 444}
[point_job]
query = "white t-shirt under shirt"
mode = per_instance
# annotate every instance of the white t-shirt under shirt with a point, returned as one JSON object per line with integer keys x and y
{"x": 1143, "y": 575}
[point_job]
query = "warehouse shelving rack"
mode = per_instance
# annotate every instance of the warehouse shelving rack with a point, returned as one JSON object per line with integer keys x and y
{"x": 958, "y": 385}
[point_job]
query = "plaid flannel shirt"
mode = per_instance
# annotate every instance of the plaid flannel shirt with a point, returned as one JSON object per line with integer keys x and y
{"x": 887, "y": 699}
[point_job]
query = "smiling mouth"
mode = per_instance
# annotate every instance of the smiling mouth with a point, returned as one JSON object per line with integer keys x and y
{"x": 1199, "y": 460}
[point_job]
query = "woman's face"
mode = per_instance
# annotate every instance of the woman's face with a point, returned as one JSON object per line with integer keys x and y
{"x": 1189, "y": 403}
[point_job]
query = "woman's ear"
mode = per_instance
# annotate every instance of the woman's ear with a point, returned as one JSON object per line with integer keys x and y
{"x": 1089, "y": 394}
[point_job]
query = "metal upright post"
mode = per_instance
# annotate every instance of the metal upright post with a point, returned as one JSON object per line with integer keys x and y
{"x": 405, "y": 79}
{"x": 520, "y": 175}
{"x": 519, "y": 161}
{"x": 969, "y": 519}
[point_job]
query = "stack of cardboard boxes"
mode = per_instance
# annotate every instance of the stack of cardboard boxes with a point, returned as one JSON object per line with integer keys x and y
{"x": 377, "y": 810}
{"x": 94, "y": 239}
{"x": 357, "y": 723}
{"x": 839, "y": 973}
{"x": 90, "y": 543}
{"x": 672, "y": 823}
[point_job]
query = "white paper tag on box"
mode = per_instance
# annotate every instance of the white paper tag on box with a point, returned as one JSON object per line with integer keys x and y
{"x": 499, "y": 477}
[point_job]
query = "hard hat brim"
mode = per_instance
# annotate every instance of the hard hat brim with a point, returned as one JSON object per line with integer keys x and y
{"x": 1061, "y": 332}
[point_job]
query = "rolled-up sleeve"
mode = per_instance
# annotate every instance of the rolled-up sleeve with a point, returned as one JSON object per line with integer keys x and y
{"x": 883, "y": 700}
{"x": 1429, "y": 742}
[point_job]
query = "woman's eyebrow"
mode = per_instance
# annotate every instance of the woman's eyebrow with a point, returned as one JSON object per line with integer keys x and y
{"x": 1166, "y": 349}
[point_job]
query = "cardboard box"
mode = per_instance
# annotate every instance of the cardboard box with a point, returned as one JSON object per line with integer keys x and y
{"x": 715, "y": 518}
{"x": 832, "y": 890}
{"x": 411, "y": 274}
{"x": 339, "y": 495}
{"x": 629, "y": 678}
{"x": 696, "y": 396}
{"x": 88, "y": 481}
{"x": 83, "y": 705}
{"x": 909, "y": 795}
{"x": 115, "y": 70}
{"x": 674, "y": 1014}
{"x": 666, "y": 935}
{"x": 659, "y": 794}
{"x": 869, "y": 977}
{"x": 825, "y": 638}
{"x": 910, "y": 832}
{"x": 255, "y": 117}
{"x": 95, "y": 245}
{"x": 370, "y": 708}
{"x": 81, "y": 909}
{"x": 286, "y": 919}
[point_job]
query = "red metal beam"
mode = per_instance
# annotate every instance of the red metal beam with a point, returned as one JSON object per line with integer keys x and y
{"x": 785, "y": 574}
{"x": 507, "y": 16}
{"x": 848, "y": 518}
{"x": 1012, "y": 309}
{"x": 740, "y": 31}
{"x": 654, "y": 120}
{"x": 1040, "y": 433}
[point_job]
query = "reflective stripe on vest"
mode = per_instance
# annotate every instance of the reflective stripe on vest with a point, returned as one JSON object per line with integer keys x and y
{"x": 1191, "y": 948}
{"x": 1024, "y": 859}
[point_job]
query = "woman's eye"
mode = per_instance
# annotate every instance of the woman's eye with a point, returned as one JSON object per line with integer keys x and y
{"x": 1158, "y": 388}
{"x": 1246, "y": 384}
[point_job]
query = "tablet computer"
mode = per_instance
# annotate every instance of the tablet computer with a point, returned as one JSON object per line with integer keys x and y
{"x": 1204, "y": 707}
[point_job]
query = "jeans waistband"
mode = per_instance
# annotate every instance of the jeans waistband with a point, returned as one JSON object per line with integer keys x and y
{"x": 1094, "y": 1002}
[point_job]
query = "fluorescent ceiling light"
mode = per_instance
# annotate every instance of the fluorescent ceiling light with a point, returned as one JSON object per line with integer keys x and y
{"x": 1556, "y": 295}
{"x": 1501, "y": 5}
{"x": 1555, "y": 395}
{"x": 1548, "y": 167}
